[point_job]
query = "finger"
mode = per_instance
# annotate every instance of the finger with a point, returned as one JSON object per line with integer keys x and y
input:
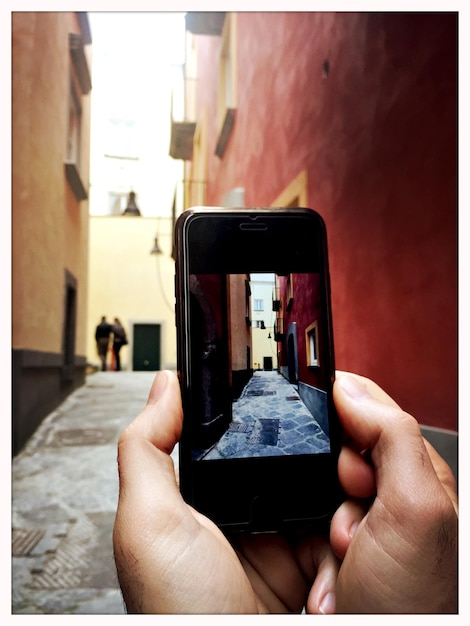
{"x": 372, "y": 388}
{"x": 152, "y": 521}
{"x": 160, "y": 422}
{"x": 147, "y": 483}
{"x": 321, "y": 566}
{"x": 161, "y": 545}
{"x": 144, "y": 447}
{"x": 356, "y": 475}
{"x": 344, "y": 525}
{"x": 411, "y": 526}
{"x": 402, "y": 463}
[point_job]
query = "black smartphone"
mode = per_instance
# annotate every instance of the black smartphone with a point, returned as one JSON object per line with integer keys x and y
{"x": 261, "y": 437}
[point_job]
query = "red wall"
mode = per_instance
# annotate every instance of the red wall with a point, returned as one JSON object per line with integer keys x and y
{"x": 304, "y": 310}
{"x": 377, "y": 137}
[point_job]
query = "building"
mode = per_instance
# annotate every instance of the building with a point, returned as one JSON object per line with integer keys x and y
{"x": 130, "y": 282}
{"x": 263, "y": 318}
{"x": 51, "y": 88}
{"x": 355, "y": 116}
{"x": 303, "y": 352}
{"x": 133, "y": 182}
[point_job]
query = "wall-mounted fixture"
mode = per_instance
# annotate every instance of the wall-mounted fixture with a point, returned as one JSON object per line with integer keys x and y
{"x": 131, "y": 208}
{"x": 156, "y": 248}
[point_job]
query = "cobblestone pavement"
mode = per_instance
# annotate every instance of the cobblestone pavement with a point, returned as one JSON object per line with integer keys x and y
{"x": 64, "y": 497}
{"x": 270, "y": 419}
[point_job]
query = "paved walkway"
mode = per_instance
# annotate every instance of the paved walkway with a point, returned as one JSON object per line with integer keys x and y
{"x": 270, "y": 419}
{"x": 64, "y": 497}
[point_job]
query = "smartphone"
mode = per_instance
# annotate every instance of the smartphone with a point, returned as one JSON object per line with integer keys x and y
{"x": 261, "y": 437}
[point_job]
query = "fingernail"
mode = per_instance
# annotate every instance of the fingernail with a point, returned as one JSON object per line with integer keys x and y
{"x": 352, "y": 530}
{"x": 158, "y": 387}
{"x": 353, "y": 387}
{"x": 328, "y": 604}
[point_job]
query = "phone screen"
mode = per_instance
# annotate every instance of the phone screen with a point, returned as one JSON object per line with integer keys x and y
{"x": 260, "y": 390}
{"x": 260, "y": 434}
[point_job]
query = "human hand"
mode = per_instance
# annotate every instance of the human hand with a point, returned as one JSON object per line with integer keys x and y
{"x": 399, "y": 555}
{"x": 171, "y": 559}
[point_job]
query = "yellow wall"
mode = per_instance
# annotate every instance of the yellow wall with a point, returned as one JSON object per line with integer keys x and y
{"x": 263, "y": 345}
{"x": 128, "y": 282}
{"x": 49, "y": 225}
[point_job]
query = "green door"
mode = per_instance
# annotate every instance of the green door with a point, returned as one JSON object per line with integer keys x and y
{"x": 146, "y": 347}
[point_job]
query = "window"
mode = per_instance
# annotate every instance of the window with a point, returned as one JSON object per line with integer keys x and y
{"x": 227, "y": 83}
{"x": 311, "y": 338}
{"x": 247, "y": 302}
{"x": 289, "y": 292}
{"x": 117, "y": 202}
{"x": 294, "y": 194}
{"x": 74, "y": 126}
{"x": 258, "y": 305}
{"x": 279, "y": 329}
{"x": 80, "y": 84}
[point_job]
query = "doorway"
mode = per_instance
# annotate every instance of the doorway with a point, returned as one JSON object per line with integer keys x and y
{"x": 146, "y": 347}
{"x": 69, "y": 328}
{"x": 292, "y": 356}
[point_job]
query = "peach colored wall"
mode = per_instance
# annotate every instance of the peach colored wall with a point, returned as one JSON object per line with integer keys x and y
{"x": 240, "y": 333}
{"x": 49, "y": 226}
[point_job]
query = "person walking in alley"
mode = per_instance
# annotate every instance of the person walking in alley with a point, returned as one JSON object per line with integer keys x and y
{"x": 119, "y": 340}
{"x": 102, "y": 335}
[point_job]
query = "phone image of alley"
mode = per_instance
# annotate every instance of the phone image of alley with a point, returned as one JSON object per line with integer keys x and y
{"x": 260, "y": 366}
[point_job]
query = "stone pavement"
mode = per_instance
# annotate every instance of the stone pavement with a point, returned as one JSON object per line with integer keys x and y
{"x": 269, "y": 419}
{"x": 64, "y": 497}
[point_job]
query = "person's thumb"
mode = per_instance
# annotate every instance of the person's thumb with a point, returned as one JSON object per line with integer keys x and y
{"x": 378, "y": 425}
{"x": 409, "y": 533}
{"x": 147, "y": 480}
{"x": 160, "y": 422}
{"x": 392, "y": 439}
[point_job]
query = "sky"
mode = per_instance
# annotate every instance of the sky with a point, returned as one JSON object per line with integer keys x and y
{"x": 137, "y": 57}
{"x": 128, "y": 35}
{"x": 132, "y": 52}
